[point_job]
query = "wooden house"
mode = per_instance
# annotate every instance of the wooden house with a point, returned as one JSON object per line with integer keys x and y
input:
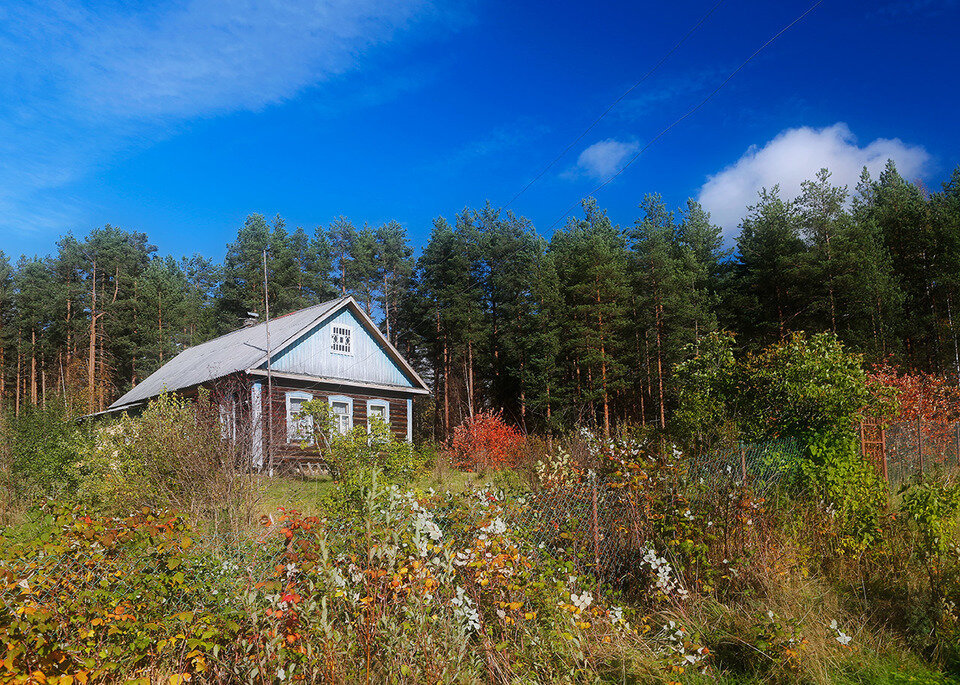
{"x": 332, "y": 351}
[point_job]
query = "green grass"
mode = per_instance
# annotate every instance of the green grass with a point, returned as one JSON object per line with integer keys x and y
{"x": 306, "y": 494}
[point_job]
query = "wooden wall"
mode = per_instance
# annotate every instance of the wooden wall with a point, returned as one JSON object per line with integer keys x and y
{"x": 278, "y": 405}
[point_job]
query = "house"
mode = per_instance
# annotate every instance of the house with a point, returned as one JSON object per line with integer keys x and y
{"x": 332, "y": 351}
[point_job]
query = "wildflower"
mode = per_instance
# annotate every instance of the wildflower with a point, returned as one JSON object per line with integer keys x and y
{"x": 581, "y": 601}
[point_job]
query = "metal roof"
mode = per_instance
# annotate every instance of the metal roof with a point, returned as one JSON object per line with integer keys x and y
{"x": 237, "y": 351}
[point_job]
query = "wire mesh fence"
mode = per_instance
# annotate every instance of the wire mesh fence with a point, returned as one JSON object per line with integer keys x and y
{"x": 592, "y": 516}
{"x": 913, "y": 447}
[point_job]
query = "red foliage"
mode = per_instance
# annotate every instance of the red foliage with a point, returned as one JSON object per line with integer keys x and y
{"x": 486, "y": 441}
{"x": 919, "y": 396}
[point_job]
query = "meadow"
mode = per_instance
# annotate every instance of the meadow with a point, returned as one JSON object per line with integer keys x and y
{"x": 142, "y": 550}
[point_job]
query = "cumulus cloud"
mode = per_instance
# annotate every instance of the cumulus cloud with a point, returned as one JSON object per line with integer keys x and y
{"x": 602, "y": 160}
{"x": 796, "y": 155}
{"x": 82, "y": 82}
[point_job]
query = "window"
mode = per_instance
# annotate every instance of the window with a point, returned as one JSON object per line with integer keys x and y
{"x": 379, "y": 409}
{"x": 341, "y": 341}
{"x": 299, "y": 425}
{"x": 342, "y": 413}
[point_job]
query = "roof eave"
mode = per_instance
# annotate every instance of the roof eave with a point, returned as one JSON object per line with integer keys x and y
{"x": 284, "y": 375}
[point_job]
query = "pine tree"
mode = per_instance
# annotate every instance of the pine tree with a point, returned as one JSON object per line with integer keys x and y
{"x": 768, "y": 279}
{"x": 393, "y": 267}
{"x": 591, "y": 263}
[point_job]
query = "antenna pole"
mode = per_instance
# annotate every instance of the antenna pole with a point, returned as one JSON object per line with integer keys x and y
{"x": 266, "y": 310}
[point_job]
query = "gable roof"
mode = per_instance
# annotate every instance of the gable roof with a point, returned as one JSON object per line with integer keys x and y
{"x": 245, "y": 349}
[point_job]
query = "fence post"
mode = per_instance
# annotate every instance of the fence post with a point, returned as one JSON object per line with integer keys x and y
{"x": 596, "y": 530}
{"x": 883, "y": 452}
{"x": 919, "y": 444}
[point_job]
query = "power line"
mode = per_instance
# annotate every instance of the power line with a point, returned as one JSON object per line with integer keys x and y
{"x": 616, "y": 102}
{"x": 689, "y": 112}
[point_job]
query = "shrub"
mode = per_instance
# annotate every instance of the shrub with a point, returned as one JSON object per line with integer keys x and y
{"x": 801, "y": 387}
{"x": 486, "y": 441}
{"x": 102, "y": 599}
{"x": 354, "y": 456}
{"x": 171, "y": 455}
{"x": 850, "y": 487}
{"x": 43, "y": 446}
{"x": 932, "y": 506}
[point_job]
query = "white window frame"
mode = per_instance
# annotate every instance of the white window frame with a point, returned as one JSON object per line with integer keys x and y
{"x": 345, "y": 330}
{"x": 331, "y": 399}
{"x": 228, "y": 418}
{"x": 293, "y": 435}
{"x": 378, "y": 403}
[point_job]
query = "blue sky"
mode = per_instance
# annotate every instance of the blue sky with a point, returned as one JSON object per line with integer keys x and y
{"x": 180, "y": 118}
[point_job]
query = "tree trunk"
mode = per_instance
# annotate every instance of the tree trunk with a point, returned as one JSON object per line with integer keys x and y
{"x": 523, "y": 400}
{"x": 91, "y": 358}
{"x": 16, "y": 409}
{"x": 33, "y": 368}
{"x": 549, "y": 422}
{"x": 437, "y": 374}
{"x": 953, "y": 331}
{"x": 69, "y": 334}
{"x": 160, "y": 324}
{"x": 603, "y": 362}
{"x": 833, "y": 303}
{"x": 643, "y": 418}
{"x": 646, "y": 344}
{"x": 658, "y": 320}
{"x": 386, "y": 305}
{"x": 446, "y": 387}
{"x": 470, "y": 377}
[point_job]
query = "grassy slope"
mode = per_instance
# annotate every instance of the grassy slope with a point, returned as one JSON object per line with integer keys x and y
{"x": 878, "y": 658}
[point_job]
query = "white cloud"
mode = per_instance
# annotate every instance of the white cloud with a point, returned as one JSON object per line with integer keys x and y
{"x": 81, "y": 82}
{"x": 796, "y": 155}
{"x": 602, "y": 160}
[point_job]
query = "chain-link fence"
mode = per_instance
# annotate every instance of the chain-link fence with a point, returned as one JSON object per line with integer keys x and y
{"x": 592, "y": 516}
{"x": 604, "y": 524}
{"x": 912, "y": 447}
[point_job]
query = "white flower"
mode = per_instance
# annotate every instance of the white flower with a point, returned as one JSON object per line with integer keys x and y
{"x": 581, "y": 601}
{"x": 496, "y": 527}
{"x": 843, "y": 638}
{"x": 834, "y": 625}
{"x": 281, "y": 674}
{"x": 465, "y": 612}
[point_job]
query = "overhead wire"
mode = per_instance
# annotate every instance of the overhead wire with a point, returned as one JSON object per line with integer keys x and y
{"x": 689, "y": 112}
{"x": 659, "y": 135}
{"x": 605, "y": 112}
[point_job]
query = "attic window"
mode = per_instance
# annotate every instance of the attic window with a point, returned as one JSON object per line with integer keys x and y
{"x": 342, "y": 340}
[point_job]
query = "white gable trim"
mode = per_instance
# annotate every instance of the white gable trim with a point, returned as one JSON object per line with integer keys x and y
{"x": 370, "y": 327}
